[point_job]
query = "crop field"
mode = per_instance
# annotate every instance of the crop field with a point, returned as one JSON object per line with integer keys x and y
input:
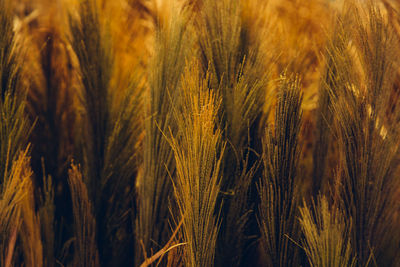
{"x": 199, "y": 133}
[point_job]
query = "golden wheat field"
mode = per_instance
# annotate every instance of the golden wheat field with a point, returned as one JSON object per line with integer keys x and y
{"x": 199, "y": 133}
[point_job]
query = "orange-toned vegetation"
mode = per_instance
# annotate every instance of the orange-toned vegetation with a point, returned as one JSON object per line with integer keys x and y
{"x": 199, "y": 133}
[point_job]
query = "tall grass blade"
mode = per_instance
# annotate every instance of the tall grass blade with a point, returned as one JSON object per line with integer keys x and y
{"x": 111, "y": 135}
{"x": 86, "y": 253}
{"x": 30, "y": 230}
{"x": 368, "y": 138}
{"x": 326, "y": 233}
{"x": 9, "y": 60}
{"x": 154, "y": 185}
{"x": 198, "y": 150}
{"x": 279, "y": 198}
{"x": 337, "y": 72}
{"x": 231, "y": 50}
{"x": 13, "y": 193}
{"x": 14, "y": 126}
